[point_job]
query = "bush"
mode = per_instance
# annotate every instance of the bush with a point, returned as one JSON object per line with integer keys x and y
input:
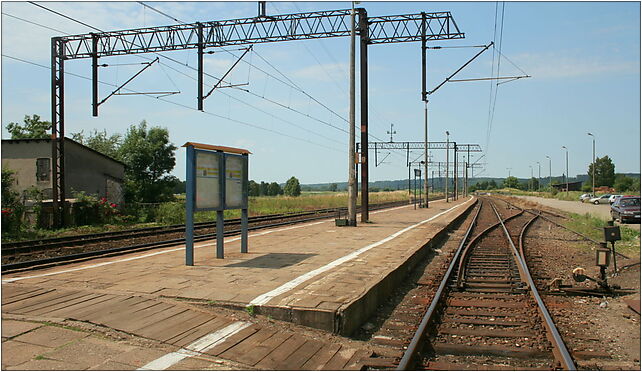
{"x": 12, "y": 208}
{"x": 171, "y": 213}
{"x": 89, "y": 210}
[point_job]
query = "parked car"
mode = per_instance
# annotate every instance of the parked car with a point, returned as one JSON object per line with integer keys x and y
{"x": 585, "y": 197}
{"x": 626, "y": 208}
{"x": 600, "y": 199}
{"x": 613, "y": 198}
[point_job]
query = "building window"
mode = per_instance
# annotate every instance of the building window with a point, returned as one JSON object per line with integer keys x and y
{"x": 43, "y": 167}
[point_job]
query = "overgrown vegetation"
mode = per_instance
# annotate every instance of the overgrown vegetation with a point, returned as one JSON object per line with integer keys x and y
{"x": 593, "y": 228}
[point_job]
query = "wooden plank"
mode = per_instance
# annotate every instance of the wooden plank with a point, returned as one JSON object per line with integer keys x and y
{"x": 16, "y": 306}
{"x": 379, "y": 363}
{"x": 257, "y": 354}
{"x": 510, "y": 333}
{"x": 147, "y": 316}
{"x": 339, "y": 360}
{"x": 119, "y": 309}
{"x": 194, "y": 334}
{"x": 241, "y": 350}
{"x": 85, "y": 313}
{"x": 302, "y": 355}
{"x": 164, "y": 320}
{"x": 495, "y": 322}
{"x": 80, "y": 297}
{"x": 130, "y": 313}
{"x": 52, "y": 302}
{"x": 484, "y": 303}
{"x": 22, "y": 294}
{"x": 354, "y": 364}
{"x": 321, "y": 357}
{"x": 233, "y": 340}
{"x": 490, "y": 350}
{"x": 158, "y": 315}
{"x": 493, "y": 313}
{"x": 178, "y": 324}
{"x": 72, "y": 309}
{"x": 281, "y": 352}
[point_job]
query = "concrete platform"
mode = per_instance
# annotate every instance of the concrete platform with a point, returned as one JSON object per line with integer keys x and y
{"x": 314, "y": 274}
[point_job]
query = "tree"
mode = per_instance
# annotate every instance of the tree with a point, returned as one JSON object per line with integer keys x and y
{"x": 492, "y": 185}
{"x": 604, "y": 171}
{"x": 100, "y": 142}
{"x": 624, "y": 183}
{"x": 534, "y": 184}
{"x": 333, "y": 187}
{"x": 12, "y": 208}
{"x": 149, "y": 157}
{"x": 274, "y": 189}
{"x": 263, "y": 188}
{"x": 253, "y": 188}
{"x": 33, "y": 128}
{"x": 292, "y": 187}
{"x": 511, "y": 182}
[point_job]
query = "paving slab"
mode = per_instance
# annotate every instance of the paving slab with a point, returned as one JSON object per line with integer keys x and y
{"x": 12, "y": 328}
{"x": 51, "y": 337}
{"x": 15, "y": 353}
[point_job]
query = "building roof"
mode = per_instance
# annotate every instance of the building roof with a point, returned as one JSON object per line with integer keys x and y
{"x": 203, "y": 146}
{"x": 67, "y": 139}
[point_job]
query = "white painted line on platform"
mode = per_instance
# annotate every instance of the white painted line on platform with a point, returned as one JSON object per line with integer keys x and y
{"x": 176, "y": 249}
{"x": 266, "y": 297}
{"x": 197, "y": 347}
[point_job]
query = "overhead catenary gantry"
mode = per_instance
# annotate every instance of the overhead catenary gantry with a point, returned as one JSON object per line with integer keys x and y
{"x": 245, "y": 31}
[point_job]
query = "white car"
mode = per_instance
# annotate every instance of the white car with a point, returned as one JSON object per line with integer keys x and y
{"x": 604, "y": 199}
{"x": 613, "y": 198}
{"x": 585, "y": 197}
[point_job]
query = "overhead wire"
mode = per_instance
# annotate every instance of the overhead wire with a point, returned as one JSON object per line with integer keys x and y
{"x": 177, "y": 104}
{"x": 214, "y": 77}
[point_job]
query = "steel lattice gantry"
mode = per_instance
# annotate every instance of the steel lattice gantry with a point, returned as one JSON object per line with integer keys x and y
{"x": 262, "y": 29}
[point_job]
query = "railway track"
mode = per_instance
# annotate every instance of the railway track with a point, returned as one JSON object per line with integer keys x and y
{"x": 21, "y": 256}
{"x": 486, "y": 313}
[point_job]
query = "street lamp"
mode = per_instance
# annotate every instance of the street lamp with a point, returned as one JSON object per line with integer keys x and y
{"x": 447, "y": 146}
{"x": 530, "y": 182}
{"x": 550, "y": 182}
{"x": 509, "y": 171}
{"x": 539, "y": 177}
{"x": 590, "y": 134}
{"x": 566, "y": 149}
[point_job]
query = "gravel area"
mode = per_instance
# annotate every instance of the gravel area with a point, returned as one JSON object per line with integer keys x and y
{"x": 600, "y": 211}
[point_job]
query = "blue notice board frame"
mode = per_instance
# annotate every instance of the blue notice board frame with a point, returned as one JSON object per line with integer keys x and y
{"x": 217, "y": 201}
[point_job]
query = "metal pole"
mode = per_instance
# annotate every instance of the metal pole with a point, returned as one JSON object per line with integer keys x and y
{"x": 447, "y": 151}
{"x": 363, "y": 33}
{"x": 220, "y": 239}
{"x": 58, "y": 130}
{"x": 426, "y": 151}
{"x": 594, "y": 164}
{"x": 408, "y": 162}
{"x": 190, "y": 194}
{"x": 424, "y": 97}
{"x": 352, "y": 172}
{"x": 94, "y": 74}
{"x": 201, "y": 48}
{"x": 456, "y": 183}
{"x": 244, "y": 213}
{"x": 539, "y": 177}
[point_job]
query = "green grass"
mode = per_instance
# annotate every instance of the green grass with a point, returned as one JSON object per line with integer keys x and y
{"x": 174, "y": 212}
{"x": 593, "y": 228}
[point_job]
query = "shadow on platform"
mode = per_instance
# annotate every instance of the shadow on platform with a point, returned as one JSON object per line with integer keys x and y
{"x": 274, "y": 260}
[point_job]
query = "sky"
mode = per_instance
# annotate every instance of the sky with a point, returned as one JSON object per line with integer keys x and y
{"x": 583, "y": 59}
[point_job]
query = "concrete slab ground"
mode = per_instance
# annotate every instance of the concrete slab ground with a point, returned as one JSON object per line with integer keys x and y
{"x": 313, "y": 274}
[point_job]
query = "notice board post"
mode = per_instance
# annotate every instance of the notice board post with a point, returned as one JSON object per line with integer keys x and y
{"x": 217, "y": 179}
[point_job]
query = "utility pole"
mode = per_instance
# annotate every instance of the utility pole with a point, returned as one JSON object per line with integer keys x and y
{"x": 550, "y": 182}
{"x": 565, "y": 148}
{"x": 352, "y": 164}
{"x": 447, "y": 151}
{"x": 539, "y": 177}
{"x": 530, "y": 182}
{"x": 593, "y": 162}
{"x": 424, "y": 97}
{"x": 455, "y": 183}
{"x": 363, "y": 71}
